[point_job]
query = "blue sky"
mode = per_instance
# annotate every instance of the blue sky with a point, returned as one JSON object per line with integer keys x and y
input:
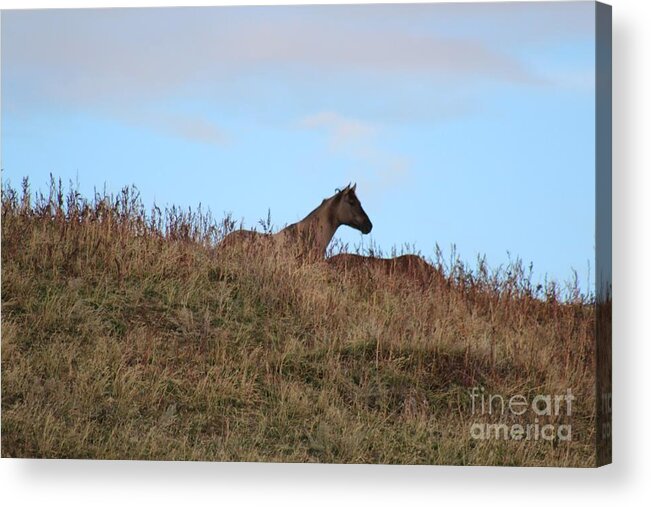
{"x": 465, "y": 124}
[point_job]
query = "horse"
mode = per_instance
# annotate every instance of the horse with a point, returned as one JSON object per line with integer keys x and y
{"x": 408, "y": 267}
{"x": 311, "y": 236}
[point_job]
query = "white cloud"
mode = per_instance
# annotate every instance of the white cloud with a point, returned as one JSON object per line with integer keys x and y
{"x": 181, "y": 125}
{"x": 376, "y": 168}
{"x": 112, "y": 61}
{"x": 191, "y": 128}
{"x": 341, "y": 131}
{"x": 90, "y": 56}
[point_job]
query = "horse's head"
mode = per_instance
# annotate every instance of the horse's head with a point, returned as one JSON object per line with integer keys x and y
{"x": 348, "y": 210}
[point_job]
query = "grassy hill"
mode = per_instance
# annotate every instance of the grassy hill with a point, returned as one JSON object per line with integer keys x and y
{"x": 124, "y": 336}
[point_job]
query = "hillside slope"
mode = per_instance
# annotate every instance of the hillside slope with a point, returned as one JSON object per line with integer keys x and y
{"x": 125, "y": 337}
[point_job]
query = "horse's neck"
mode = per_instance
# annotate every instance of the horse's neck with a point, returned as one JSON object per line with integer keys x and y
{"x": 318, "y": 228}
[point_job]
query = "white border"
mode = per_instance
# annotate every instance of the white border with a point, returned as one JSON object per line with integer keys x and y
{"x": 51, "y": 482}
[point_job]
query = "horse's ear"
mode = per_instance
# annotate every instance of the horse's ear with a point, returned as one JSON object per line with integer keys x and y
{"x": 354, "y": 187}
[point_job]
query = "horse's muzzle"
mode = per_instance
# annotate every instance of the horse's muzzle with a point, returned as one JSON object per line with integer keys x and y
{"x": 366, "y": 227}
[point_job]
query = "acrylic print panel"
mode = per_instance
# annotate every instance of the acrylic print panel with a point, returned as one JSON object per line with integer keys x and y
{"x": 336, "y": 234}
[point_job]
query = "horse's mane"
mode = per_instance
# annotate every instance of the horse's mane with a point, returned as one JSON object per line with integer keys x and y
{"x": 338, "y": 193}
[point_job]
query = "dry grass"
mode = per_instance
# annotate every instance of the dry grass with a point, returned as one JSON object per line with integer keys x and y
{"x": 125, "y": 337}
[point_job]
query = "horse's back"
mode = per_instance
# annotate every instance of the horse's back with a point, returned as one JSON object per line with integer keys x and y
{"x": 240, "y": 239}
{"x": 408, "y": 267}
{"x": 345, "y": 261}
{"x": 415, "y": 267}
